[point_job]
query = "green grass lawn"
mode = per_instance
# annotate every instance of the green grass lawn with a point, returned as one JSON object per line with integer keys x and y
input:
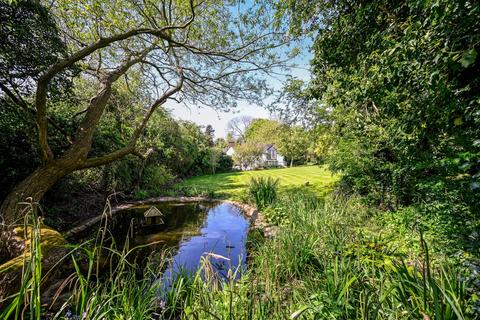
{"x": 232, "y": 185}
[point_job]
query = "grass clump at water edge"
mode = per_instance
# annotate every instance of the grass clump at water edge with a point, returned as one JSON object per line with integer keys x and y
{"x": 263, "y": 190}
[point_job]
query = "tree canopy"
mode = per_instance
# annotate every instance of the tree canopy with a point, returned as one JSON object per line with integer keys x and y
{"x": 400, "y": 82}
{"x": 264, "y": 131}
{"x": 206, "y": 52}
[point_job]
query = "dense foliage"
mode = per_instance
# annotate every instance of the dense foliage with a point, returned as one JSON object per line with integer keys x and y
{"x": 26, "y": 29}
{"x": 401, "y": 82}
{"x": 264, "y": 131}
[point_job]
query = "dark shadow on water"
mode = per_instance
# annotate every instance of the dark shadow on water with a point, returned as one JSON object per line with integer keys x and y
{"x": 191, "y": 232}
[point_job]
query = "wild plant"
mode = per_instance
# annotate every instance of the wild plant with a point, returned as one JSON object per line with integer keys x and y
{"x": 263, "y": 191}
{"x": 333, "y": 261}
{"x": 27, "y": 299}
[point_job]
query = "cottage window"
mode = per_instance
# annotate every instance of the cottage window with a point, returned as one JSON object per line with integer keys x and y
{"x": 271, "y": 154}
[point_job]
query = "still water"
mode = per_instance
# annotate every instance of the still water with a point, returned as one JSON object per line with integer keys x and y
{"x": 190, "y": 231}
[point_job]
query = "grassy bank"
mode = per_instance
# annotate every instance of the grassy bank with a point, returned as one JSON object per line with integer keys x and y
{"x": 331, "y": 259}
{"x": 233, "y": 184}
{"x": 334, "y": 260}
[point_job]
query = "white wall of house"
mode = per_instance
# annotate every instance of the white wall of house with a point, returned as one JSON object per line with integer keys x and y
{"x": 281, "y": 160}
{"x": 277, "y": 161}
{"x": 230, "y": 151}
{"x": 271, "y": 158}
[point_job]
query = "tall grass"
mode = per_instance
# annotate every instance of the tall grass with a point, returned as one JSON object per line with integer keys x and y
{"x": 263, "y": 190}
{"x": 329, "y": 267}
{"x": 102, "y": 282}
{"x": 27, "y": 299}
{"x": 326, "y": 266}
{"x": 334, "y": 261}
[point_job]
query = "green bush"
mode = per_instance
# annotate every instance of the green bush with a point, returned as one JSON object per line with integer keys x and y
{"x": 156, "y": 177}
{"x": 224, "y": 163}
{"x": 263, "y": 191}
{"x": 401, "y": 111}
{"x": 118, "y": 176}
{"x": 276, "y": 215}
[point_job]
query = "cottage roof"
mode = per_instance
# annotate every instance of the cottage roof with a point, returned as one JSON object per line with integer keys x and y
{"x": 269, "y": 146}
{"x": 266, "y": 148}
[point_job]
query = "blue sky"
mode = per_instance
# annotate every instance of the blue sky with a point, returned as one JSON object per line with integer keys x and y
{"x": 206, "y": 115}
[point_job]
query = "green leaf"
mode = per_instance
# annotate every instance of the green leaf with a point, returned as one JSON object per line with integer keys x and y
{"x": 468, "y": 58}
{"x": 299, "y": 312}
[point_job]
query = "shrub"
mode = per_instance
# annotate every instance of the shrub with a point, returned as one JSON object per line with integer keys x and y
{"x": 156, "y": 177}
{"x": 263, "y": 191}
{"x": 224, "y": 163}
{"x": 120, "y": 175}
{"x": 276, "y": 215}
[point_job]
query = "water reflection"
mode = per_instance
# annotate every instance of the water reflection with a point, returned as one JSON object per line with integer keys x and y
{"x": 190, "y": 231}
{"x": 223, "y": 234}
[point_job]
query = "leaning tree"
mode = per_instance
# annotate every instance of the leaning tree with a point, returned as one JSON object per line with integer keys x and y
{"x": 210, "y": 52}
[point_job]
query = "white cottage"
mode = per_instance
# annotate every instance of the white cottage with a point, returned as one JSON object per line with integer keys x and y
{"x": 270, "y": 157}
{"x": 230, "y": 151}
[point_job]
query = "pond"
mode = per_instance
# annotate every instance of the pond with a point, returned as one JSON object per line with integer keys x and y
{"x": 190, "y": 230}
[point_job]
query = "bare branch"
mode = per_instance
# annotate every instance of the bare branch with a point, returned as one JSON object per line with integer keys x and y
{"x": 238, "y": 125}
{"x": 130, "y": 148}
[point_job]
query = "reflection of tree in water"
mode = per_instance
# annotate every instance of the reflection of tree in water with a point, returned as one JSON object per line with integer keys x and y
{"x": 157, "y": 246}
{"x": 181, "y": 222}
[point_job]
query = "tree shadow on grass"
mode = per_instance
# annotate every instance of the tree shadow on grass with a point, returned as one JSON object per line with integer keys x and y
{"x": 234, "y": 184}
{"x": 222, "y": 185}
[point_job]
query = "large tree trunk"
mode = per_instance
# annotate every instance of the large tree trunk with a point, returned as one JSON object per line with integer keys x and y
{"x": 31, "y": 189}
{"x": 16, "y": 205}
{"x": 44, "y": 177}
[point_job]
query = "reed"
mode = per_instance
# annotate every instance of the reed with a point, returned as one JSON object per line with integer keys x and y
{"x": 27, "y": 299}
{"x": 263, "y": 190}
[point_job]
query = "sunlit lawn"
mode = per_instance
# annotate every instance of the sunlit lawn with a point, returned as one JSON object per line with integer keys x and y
{"x": 232, "y": 185}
